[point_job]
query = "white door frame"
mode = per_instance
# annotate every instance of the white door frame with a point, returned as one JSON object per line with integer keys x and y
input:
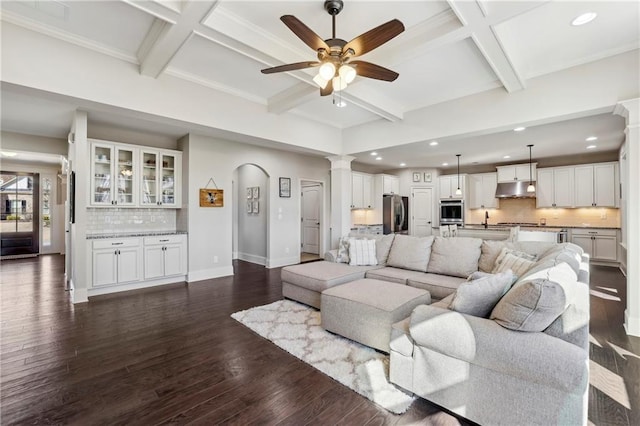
{"x": 323, "y": 219}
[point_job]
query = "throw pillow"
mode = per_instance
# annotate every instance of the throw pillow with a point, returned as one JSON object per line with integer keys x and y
{"x": 457, "y": 257}
{"x": 477, "y": 275}
{"x": 343, "y": 250}
{"x": 490, "y": 252}
{"x": 478, "y": 297}
{"x": 517, "y": 264}
{"x": 362, "y": 252}
{"x": 383, "y": 247}
{"x": 410, "y": 252}
{"x": 530, "y": 306}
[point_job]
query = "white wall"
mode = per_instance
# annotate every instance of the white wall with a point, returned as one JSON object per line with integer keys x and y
{"x": 211, "y": 229}
{"x": 252, "y": 228}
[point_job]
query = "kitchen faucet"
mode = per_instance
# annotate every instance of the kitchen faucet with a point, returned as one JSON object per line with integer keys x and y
{"x": 486, "y": 219}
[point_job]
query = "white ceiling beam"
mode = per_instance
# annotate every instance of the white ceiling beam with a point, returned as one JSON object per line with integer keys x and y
{"x": 163, "y": 42}
{"x": 158, "y": 9}
{"x": 473, "y": 17}
{"x": 291, "y": 98}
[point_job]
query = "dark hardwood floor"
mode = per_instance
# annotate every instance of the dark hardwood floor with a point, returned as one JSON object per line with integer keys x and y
{"x": 173, "y": 355}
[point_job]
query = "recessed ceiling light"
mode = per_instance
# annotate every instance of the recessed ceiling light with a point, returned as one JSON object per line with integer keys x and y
{"x": 591, "y": 138}
{"x": 9, "y": 154}
{"x": 433, "y": 143}
{"x": 591, "y": 147}
{"x": 374, "y": 153}
{"x": 378, "y": 158}
{"x": 519, "y": 129}
{"x": 445, "y": 164}
{"x": 585, "y": 18}
{"x": 403, "y": 164}
{"x": 507, "y": 156}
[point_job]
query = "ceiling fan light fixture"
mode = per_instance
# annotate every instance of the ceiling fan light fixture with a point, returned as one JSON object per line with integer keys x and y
{"x": 339, "y": 84}
{"x": 327, "y": 71}
{"x": 322, "y": 82}
{"x": 347, "y": 72}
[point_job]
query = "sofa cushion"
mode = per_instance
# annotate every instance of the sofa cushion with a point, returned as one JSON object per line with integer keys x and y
{"x": 490, "y": 250}
{"x": 343, "y": 250}
{"x": 440, "y": 286}
{"x": 478, "y": 297}
{"x": 534, "y": 304}
{"x": 513, "y": 261}
{"x": 362, "y": 252}
{"x": 394, "y": 275}
{"x": 318, "y": 276}
{"x": 457, "y": 257}
{"x": 383, "y": 247}
{"x": 410, "y": 252}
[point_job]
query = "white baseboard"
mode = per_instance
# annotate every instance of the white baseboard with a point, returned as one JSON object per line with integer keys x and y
{"x": 631, "y": 324}
{"x": 283, "y": 261}
{"x": 98, "y": 291}
{"x": 260, "y": 260}
{"x": 207, "y": 274}
{"x": 78, "y": 295}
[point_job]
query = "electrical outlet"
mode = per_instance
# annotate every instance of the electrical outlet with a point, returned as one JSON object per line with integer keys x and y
{"x": 215, "y": 259}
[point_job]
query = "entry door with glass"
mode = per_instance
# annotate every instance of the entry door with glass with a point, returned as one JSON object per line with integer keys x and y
{"x": 19, "y": 213}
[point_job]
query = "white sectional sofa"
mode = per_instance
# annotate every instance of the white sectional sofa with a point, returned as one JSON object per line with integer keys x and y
{"x": 519, "y": 357}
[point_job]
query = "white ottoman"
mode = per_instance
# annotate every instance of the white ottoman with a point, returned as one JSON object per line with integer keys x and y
{"x": 364, "y": 310}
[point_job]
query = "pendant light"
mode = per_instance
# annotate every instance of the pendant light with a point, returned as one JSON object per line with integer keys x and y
{"x": 531, "y": 187}
{"x": 458, "y": 191}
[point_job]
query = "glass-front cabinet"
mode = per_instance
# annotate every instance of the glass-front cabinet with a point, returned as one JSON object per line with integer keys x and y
{"x": 160, "y": 171}
{"x": 112, "y": 175}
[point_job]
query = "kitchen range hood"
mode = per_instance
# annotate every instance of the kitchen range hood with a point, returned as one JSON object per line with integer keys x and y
{"x": 517, "y": 189}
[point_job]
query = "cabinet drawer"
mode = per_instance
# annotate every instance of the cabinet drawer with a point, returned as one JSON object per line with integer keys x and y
{"x": 163, "y": 239}
{"x": 594, "y": 231}
{"x": 115, "y": 242}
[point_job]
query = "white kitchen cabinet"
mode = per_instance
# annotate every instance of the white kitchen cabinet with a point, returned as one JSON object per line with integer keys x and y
{"x": 165, "y": 256}
{"x": 555, "y": 187}
{"x": 160, "y": 180}
{"x": 113, "y": 175}
{"x": 600, "y": 244}
{"x": 116, "y": 261}
{"x": 482, "y": 191}
{"x": 447, "y": 186}
{"x": 390, "y": 184}
{"x": 361, "y": 191}
{"x": 596, "y": 185}
{"x": 516, "y": 172}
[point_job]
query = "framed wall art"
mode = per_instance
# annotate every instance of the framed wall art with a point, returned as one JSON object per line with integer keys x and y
{"x": 417, "y": 176}
{"x": 211, "y": 197}
{"x": 427, "y": 177}
{"x": 256, "y": 192}
{"x": 249, "y": 207}
{"x": 249, "y": 193}
{"x": 285, "y": 187}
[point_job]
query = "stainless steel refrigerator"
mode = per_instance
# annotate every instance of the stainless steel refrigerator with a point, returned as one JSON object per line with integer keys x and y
{"x": 395, "y": 214}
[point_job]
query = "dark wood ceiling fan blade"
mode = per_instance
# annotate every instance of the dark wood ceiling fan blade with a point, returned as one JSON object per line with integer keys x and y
{"x": 369, "y": 70}
{"x": 304, "y": 33}
{"x": 290, "y": 67}
{"x": 327, "y": 90}
{"x": 373, "y": 38}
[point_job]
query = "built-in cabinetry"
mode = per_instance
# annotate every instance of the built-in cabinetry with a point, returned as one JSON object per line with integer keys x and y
{"x": 447, "y": 186}
{"x": 136, "y": 260}
{"x": 390, "y": 184}
{"x": 116, "y": 261}
{"x": 134, "y": 176}
{"x": 600, "y": 244}
{"x": 516, "y": 172}
{"x": 361, "y": 190}
{"x": 555, "y": 187}
{"x": 482, "y": 191}
{"x": 164, "y": 256}
{"x": 596, "y": 185}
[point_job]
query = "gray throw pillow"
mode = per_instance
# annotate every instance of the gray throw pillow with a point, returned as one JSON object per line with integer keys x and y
{"x": 530, "y": 306}
{"x": 410, "y": 252}
{"x": 383, "y": 247}
{"x": 478, "y": 297}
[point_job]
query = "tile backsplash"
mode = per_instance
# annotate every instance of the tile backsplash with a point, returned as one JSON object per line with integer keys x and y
{"x": 116, "y": 220}
{"x": 524, "y": 210}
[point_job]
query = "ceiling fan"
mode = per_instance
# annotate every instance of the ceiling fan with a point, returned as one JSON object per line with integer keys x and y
{"x": 337, "y": 69}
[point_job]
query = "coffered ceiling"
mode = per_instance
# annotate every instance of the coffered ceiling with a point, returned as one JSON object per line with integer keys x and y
{"x": 451, "y": 50}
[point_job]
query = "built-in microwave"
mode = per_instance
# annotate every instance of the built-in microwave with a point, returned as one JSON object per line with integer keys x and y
{"x": 452, "y": 212}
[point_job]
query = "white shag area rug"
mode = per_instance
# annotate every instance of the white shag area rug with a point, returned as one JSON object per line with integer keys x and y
{"x": 296, "y": 329}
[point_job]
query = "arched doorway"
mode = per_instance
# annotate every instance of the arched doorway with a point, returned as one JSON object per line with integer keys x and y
{"x": 251, "y": 214}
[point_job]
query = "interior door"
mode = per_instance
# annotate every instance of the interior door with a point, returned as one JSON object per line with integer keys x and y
{"x": 311, "y": 197}
{"x": 421, "y": 211}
